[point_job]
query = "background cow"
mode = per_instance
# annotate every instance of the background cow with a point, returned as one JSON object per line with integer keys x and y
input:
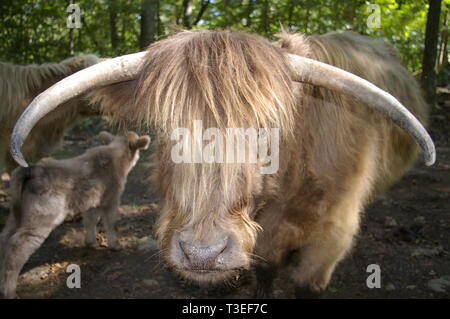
{"x": 19, "y": 85}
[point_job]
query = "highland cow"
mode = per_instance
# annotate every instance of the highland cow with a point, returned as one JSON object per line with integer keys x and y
{"x": 43, "y": 195}
{"x": 343, "y": 139}
{"x": 19, "y": 85}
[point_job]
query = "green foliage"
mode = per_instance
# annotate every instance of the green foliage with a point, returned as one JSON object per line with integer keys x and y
{"x": 35, "y": 31}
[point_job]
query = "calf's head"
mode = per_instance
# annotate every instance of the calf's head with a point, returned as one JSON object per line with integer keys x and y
{"x": 126, "y": 147}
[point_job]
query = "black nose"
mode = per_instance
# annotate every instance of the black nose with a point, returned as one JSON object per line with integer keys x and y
{"x": 204, "y": 257}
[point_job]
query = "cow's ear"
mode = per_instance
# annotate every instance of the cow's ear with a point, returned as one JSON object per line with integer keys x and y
{"x": 142, "y": 142}
{"x": 106, "y": 137}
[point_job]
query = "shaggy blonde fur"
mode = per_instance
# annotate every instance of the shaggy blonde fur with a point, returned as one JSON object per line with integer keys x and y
{"x": 335, "y": 154}
{"x": 18, "y": 87}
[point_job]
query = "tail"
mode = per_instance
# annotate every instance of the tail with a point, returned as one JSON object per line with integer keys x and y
{"x": 20, "y": 177}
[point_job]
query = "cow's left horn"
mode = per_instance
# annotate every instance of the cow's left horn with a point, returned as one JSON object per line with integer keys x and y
{"x": 107, "y": 72}
{"x": 327, "y": 76}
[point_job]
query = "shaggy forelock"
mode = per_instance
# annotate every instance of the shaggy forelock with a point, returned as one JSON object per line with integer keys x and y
{"x": 226, "y": 79}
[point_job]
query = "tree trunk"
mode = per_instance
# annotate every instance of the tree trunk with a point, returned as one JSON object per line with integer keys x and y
{"x": 291, "y": 8}
{"x": 113, "y": 24}
{"x": 203, "y": 7}
{"x": 430, "y": 51}
{"x": 71, "y": 42}
{"x": 250, "y": 8}
{"x": 71, "y": 38}
{"x": 148, "y": 22}
{"x": 265, "y": 17}
{"x": 443, "y": 52}
{"x": 159, "y": 25}
{"x": 187, "y": 13}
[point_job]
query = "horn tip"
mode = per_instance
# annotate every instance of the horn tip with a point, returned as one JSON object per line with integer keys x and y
{"x": 431, "y": 159}
{"x": 16, "y": 152}
{"x": 20, "y": 160}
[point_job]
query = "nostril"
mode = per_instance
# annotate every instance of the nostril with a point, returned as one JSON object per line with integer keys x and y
{"x": 186, "y": 249}
{"x": 197, "y": 254}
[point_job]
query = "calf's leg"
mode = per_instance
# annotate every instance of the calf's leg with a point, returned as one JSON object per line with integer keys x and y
{"x": 7, "y": 232}
{"x": 90, "y": 221}
{"x": 18, "y": 249}
{"x": 109, "y": 217}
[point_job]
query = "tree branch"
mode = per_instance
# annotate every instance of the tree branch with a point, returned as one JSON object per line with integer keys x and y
{"x": 202, "y": 11}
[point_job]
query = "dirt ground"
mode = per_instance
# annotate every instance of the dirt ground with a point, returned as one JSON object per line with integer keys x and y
{"x": 406, "y": 233}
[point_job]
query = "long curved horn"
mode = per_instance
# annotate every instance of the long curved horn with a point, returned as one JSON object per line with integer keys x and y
{"x": 115, "y": 70}
{"x": 330, "y": 77}
{"x": 306, "y": 70}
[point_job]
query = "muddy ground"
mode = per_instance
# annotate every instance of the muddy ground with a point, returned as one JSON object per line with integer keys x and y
{"x": 406, "y": 233}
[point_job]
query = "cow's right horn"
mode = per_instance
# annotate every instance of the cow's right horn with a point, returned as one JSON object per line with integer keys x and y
{"x": 111, "y": 71}
{"x": 321, "y": 74}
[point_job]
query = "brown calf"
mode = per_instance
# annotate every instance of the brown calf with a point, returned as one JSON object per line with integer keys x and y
{"x": 43, "y": 195}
